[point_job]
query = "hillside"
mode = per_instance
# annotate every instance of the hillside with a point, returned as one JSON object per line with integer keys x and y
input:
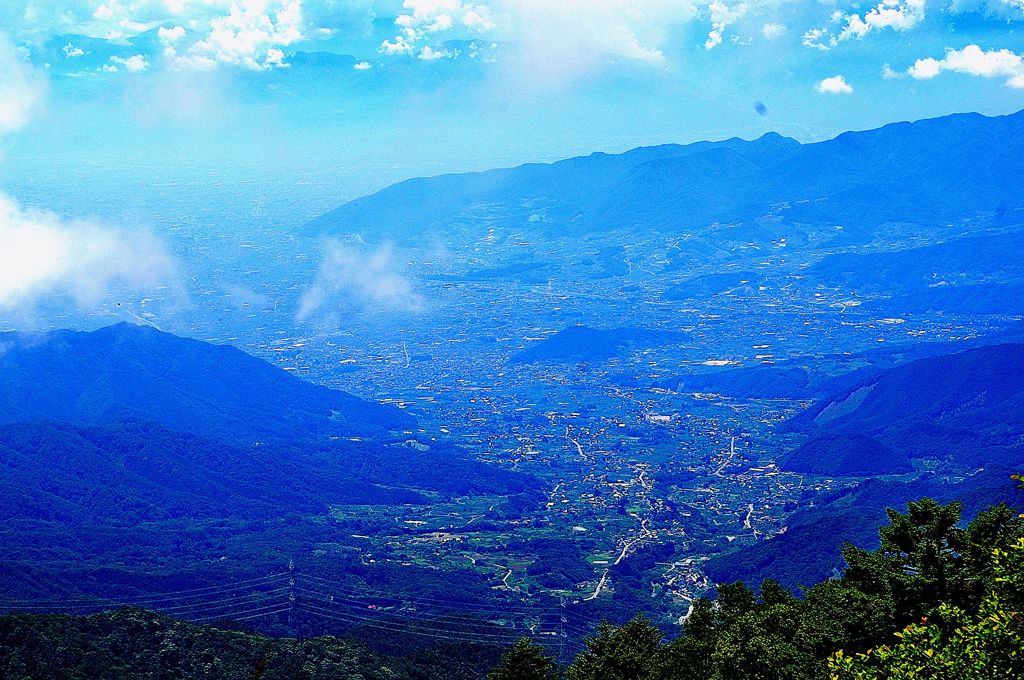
{"x": 134, "y": 372}
{"x": 131, "y": 508}
{"x": 125, "y": 474}
{"x": 937, "y": 170}
{"x": 966, "y": 409}
{"x": 975, "y": 267}
{"x": 809, "y": 550}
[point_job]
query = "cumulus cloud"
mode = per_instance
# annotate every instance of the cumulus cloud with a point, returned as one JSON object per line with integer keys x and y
{"x": 250, "y": 36}
{"x": 547, "y": 44}
{"x": 358, "y": 279}
{"x": 425, "y": 17}
{"x": 973, "y": 60}
{"x": 195, "y": 34}
{"x": 133, "y": 64}
{"x": 171, "y": 35}
{"x": 722, "y": 15}
{"x": 428, "y": 53}
{"x": 834, "y": 85}
{"x": 899, "y": 15}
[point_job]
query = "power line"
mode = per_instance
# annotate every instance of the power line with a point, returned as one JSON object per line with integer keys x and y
{"x": 404, "y": 621}
{"x": 353, "y": 619}
{"x": 198, "y": 592}
{"x": 472, "y": 615}
{"x": 238, "y": 617}
{"x": 432, "y": 617}
{"x": 367, "y": 592}
{"x": 458, "y": 625}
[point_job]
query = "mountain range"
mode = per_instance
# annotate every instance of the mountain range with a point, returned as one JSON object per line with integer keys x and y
{"x": 935, "y": 171}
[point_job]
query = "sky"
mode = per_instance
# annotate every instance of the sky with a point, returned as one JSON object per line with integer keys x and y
{"x": 428, "y": 86}
{"x": 108, "y": 98}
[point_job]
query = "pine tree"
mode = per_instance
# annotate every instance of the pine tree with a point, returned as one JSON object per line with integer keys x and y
{"x": 525, "y": 661}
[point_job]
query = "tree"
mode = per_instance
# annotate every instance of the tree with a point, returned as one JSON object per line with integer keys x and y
{"x": 922, "y": 541}
{"x": 953, "y": 644}
{"x": 525, "y": 661}
{"x": 629, "y": 652}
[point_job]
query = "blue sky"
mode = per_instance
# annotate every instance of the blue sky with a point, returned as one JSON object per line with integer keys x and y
{"x": 101, "y": 100}
{"x": 435, "y": 85}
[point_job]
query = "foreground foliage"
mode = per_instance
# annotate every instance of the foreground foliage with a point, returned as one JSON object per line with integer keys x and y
{"x": 954, "y": 643}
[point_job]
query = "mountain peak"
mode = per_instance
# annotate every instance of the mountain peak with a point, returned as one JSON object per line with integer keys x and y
{"x": 128, "y": 371}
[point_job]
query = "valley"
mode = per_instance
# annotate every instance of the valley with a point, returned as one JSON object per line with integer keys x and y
{"x": 644, "y": 379}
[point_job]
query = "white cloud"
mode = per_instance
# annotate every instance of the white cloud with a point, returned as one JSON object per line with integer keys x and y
{"x": 819, "y": 39}
{"x": 171, "y": 35}
{"x": 363, "y": 66}
{"x": 250, "y": 33}
{"x": 923, "y": 69}
{"x": 473, "y": 19}
{"x": 424, "y": 17}
{"x": 133, "y": 64}
{"x": 103, "y": 13}
{"x": 973, "y": 60}
{"x": 71, "y": 52}
{"x": 773, "y": 30}
{"x": 888, "y": 73}
{"x": 400, "y": 45}
{"x": 274, "y": 57}
{"x": 350, "y": 278}
{"x": 21, "y": 89}
{"x": 430, "y": 54}
{"x": 722, "y": 16}
{"x": 42, "y": 256}
{"x": 834, "y": 85}
{"x": 899, "y": 15}
{"x": 1004, "y": 9}
{"x": 547, "y": 44}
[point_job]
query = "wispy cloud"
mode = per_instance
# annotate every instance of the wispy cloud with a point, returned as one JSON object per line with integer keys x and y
{"x": 722, "y": 16}
{"x": 22, "y": 90}
{"x": 358, "y": 279}
{"x": 43, "y": 257}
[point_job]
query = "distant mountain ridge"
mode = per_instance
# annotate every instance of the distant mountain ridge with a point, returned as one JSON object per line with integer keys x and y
{"x": 940, "y": 169}
{"x": 139, "y": 373}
